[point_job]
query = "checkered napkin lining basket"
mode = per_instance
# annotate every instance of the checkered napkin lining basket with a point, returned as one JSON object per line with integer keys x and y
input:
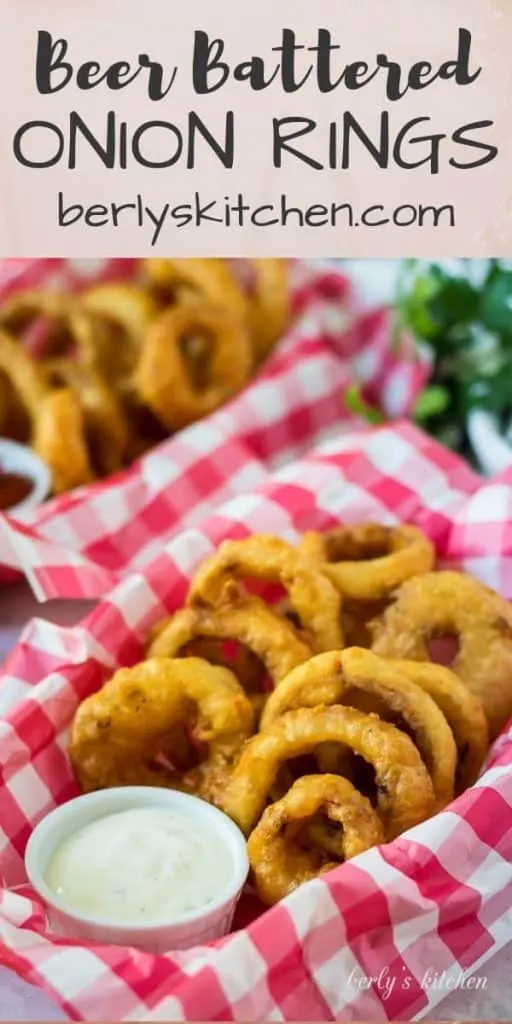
{"x": 81, "y": 544}
{"x": 439, "y": 898}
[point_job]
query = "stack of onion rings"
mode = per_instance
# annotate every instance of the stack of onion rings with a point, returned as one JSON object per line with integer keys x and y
{"x": 405, "y": 795}
{"x": 140, "y": 359}
{"x": 357, "y": 678}
{"x": 317, "y": 751}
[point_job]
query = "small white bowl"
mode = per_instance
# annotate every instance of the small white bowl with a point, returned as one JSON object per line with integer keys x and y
{"x": 193, "y": 928}
{"x": 493, "y": 451}
{"x": 17, "y": 458}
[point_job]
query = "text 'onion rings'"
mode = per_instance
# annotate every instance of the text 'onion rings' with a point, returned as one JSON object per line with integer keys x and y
{"x": 280, "y": 862}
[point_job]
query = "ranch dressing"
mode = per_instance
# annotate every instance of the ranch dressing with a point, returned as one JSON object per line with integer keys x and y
{"x": 140, "y": 866}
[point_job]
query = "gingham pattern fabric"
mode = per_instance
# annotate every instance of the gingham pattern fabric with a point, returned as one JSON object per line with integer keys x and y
{"x": 81, "y": 544}
{"x": 358, "y": 943}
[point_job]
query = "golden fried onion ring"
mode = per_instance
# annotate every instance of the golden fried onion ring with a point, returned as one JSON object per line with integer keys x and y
{"x": 119, "y": 733}
{"x": 195, "y": 358}
{"x": 312, "y": 596}
{"x": 206, "y": 280}
{"x": 279, "y": 861}
{"x": 59, "y": 439}
{"x": 124, "y": 313}
{"x": 238, "y": 617}
{"x": 405, "y": 795}
{"x": 72, "y": 326}
{"x": 454, "y": 604}
{"x": 367, "y": 562}
{"x": 462, "y": 710}
{"x": 269, "y": 304}
{"x": 105, "y": 425}
{"x": 356, "y": 678}
{"x": 56, "y": 418}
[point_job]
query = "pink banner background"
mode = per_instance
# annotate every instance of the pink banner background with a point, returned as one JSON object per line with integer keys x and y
{"x": 119, "y": 30}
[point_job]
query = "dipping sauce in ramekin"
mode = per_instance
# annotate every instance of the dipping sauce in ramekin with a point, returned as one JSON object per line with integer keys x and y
{"x": 138, "y": 866}
{"x": 25, "y": 480}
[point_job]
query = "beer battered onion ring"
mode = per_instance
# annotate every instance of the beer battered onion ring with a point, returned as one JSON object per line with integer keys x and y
{"x": 59, "y": 439}
{"x": 313, "y": 598}
{"x": 239, "y": 660}
{"x": 367, "y": 562}
{"x": 194, "y": 359}
{"x": 124, "y": 313}
{"x": 105, "y": 425}
{"x": 356, "y": 678}
{"x": 268, "y": 304}
{"x": 462, "y": 710}
{"x": 71, "y": 329}
{"x": 174, "y": 281}
{"x": 129, "y": 732}
{"x": 405, "y": 795}
{"x": 280, "y": 862}
{"x": 55, "y": 417}
{"x": 238, "y": 617}
{"x": 454, "y": 604}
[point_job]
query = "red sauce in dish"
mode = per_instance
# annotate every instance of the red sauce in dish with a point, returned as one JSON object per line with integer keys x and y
{"x": 13, "y": 489}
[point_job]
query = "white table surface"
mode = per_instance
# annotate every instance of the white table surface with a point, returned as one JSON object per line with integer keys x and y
{"x": 19, "y": 1001}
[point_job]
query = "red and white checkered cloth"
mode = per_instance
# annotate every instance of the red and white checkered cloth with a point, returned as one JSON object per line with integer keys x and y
{"x": 81, "y": 544}
{"x": 364, "y": 942}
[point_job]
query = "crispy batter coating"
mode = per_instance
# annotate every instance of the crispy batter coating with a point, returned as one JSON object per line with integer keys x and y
{"x": 463, "y": 712}
{"x": 55, "y": 416}
{"x": 367, "y": 562}
{"x": 205, "y": 280}
{"x": 238, "y": 617}
{"x": 280, "y": 854}
{"x": 312, "y": 596}
{"x": 123, "y": 313}
{"x": 269, "y": 304}
{"x": 405, "y": 794}
{"x": 59, "y": 439}
{"x": 195, "y": 358}
{"x": 138, "y": 728}
{"x": 69, "y": 328}
{"x": 454, "y": 604}
{"x": 356, "y": 678}
{"x": 104, "y": 423}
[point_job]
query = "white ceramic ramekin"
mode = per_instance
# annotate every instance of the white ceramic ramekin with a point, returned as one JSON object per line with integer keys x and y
{"x": 17, "y": 458}
{"x": 190, "y": 929}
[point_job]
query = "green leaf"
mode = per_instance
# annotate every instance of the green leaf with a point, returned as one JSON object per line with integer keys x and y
{"x": 356, "y": 404}
{"x": 433, "y": 401}
{"x": 496, "y": 301}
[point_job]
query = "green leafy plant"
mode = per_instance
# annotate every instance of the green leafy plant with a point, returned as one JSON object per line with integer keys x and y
{"x": 467, "y": 322}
